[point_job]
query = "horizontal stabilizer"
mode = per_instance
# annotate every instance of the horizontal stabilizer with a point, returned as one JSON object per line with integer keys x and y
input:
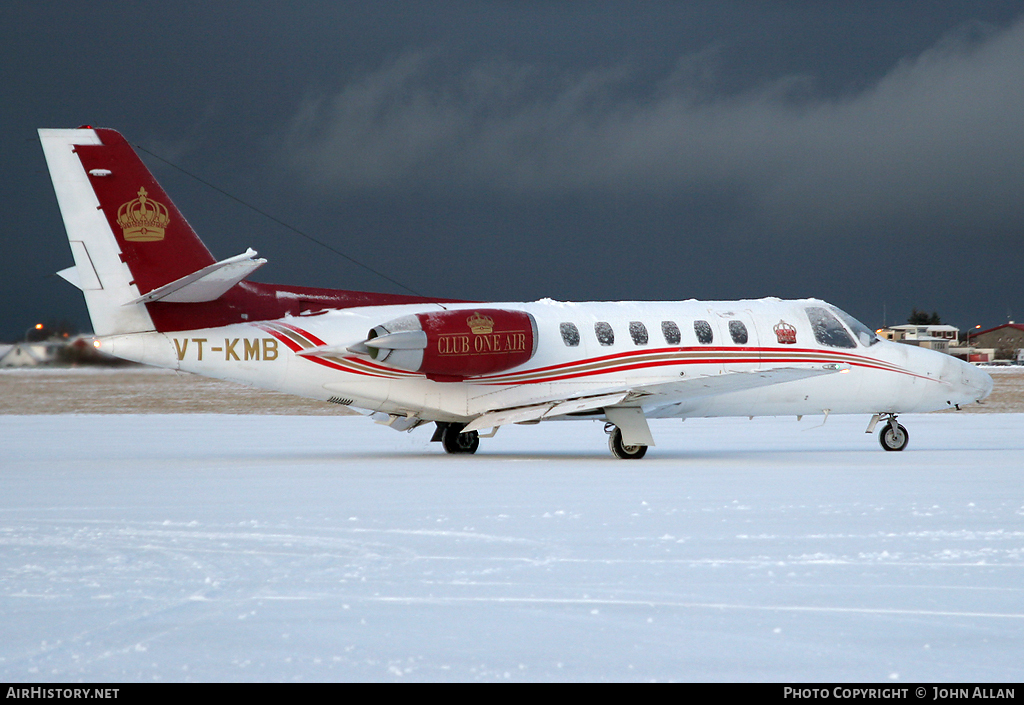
{"x": 207, "y": 284}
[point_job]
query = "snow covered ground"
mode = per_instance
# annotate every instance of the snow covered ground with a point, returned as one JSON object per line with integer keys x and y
{"x": 218, "y": 547}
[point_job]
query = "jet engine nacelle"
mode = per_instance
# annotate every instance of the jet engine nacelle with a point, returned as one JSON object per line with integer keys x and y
{"x": 454, "y": 344}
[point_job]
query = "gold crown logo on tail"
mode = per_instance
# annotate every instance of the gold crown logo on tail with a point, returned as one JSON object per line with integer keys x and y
{"x": 143, "y": 219}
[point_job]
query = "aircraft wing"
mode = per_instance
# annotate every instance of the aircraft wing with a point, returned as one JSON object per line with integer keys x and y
{"x": 652, "y": 395}
{"x": 535, "y": 412}
{"x": 696, "y": 387}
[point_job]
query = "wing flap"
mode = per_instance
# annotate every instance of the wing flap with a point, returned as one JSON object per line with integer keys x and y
{"x": 493, "y": 419}
{"x": 574, "y": 406}
{"x": 535, "y": 412}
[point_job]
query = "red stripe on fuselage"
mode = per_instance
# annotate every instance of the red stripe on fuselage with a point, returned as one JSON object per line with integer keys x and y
{"x": 335, "y": 366}
{"x": 853, "y": 359}
{"x": 664, "y": 363}
{"x": 312, "y": 338}
{"x": 744, "y": 356}
{"x": 773, "y": 357}
{"x": 292, "y": 345}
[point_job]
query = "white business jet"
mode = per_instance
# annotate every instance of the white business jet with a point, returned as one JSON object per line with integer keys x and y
{"x": 156, "y": 295}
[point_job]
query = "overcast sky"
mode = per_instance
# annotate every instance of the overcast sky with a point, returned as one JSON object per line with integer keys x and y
{"x": 867, "y": 153}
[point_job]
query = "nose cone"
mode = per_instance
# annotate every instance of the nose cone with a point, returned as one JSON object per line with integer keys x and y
{"x": 978, "y": 381}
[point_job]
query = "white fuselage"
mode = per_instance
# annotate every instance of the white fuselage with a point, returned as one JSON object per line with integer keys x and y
{"x": 880, "y": 377}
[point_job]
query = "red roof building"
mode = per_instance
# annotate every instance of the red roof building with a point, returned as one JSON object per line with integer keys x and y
{"x": 1007, "y": 340}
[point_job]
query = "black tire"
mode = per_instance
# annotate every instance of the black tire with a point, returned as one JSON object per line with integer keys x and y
{"x": 893, "y": 441}
{"x": 455, "y": 442}
{"x": 622, "y": 451}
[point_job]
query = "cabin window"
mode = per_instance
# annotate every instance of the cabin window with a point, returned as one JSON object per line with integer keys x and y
{"x": 827, "y": 328}
{"x": 738, "y": 331}
{"x": 638, "y": 332}
{"x": 570, "y": 334}
{"x": 704, "y": 332}
{"x": 605, "y": 334}
{"x": 671, "y": 332}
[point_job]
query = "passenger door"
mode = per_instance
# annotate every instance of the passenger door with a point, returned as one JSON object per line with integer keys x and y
{"x": 740, "y": 340}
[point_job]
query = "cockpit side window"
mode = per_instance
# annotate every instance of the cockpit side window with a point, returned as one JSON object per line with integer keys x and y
{"x": 827, "y": 328}
{"x": 704, "y": 333}
{"x": 570, "y": 334}
{"x": 638, "y": 332}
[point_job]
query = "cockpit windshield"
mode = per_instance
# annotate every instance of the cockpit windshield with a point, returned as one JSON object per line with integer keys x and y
{"x": 827, "y": 328}
{"x": 829, "y": 331}
{"x": 865, "y": 335}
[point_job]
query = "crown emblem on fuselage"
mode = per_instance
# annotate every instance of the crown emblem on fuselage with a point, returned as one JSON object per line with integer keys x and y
{"x": 785, "y": 333}
{"x": 481, "y": 325}
{"x": 143, "y": 219}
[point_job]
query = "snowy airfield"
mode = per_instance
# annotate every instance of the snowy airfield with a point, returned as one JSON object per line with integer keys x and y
{"x": 237, "y": 547}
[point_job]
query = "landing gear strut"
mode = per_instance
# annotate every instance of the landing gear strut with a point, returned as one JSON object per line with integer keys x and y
{"x": 893, "y": 436}
{"x": 454, "y": 441}
{"x": 619, "y": 449}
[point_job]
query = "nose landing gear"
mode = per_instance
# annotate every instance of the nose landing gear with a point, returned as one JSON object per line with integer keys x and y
{"x": 893, "y": 436}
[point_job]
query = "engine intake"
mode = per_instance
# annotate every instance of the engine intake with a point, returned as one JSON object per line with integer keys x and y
{"x": 452, "y": 345}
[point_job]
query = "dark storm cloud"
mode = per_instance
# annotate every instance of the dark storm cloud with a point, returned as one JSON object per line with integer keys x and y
{"x": 935, "y": 142}
{"x": 513, "y": 150}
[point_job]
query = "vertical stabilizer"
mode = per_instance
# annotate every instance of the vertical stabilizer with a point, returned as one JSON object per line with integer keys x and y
{"x": 126, "y": 235}
{"x": 139, "y": 263}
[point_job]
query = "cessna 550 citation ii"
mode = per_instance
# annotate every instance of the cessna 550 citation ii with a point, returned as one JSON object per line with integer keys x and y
{"x": 157, "y": 296}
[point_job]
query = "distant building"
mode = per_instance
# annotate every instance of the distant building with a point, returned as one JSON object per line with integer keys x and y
{"x": 65, "y": 352}
{"x": 933, "y": 337}
{"x": 972, "y": 353}
{"x": 28, "y": 354}
{"x": 911, "y": 331}
{"x": 1007, "y": 340}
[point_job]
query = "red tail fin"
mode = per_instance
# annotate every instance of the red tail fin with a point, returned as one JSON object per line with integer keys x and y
{"x": 140, "y": 264}
{"x": 157, "y": 243}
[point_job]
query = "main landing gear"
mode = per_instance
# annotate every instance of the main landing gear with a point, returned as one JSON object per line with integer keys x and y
{"x": 893, "y": 436}
{"x": 454, "y": 441}
{"x": 619, "y": 449}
